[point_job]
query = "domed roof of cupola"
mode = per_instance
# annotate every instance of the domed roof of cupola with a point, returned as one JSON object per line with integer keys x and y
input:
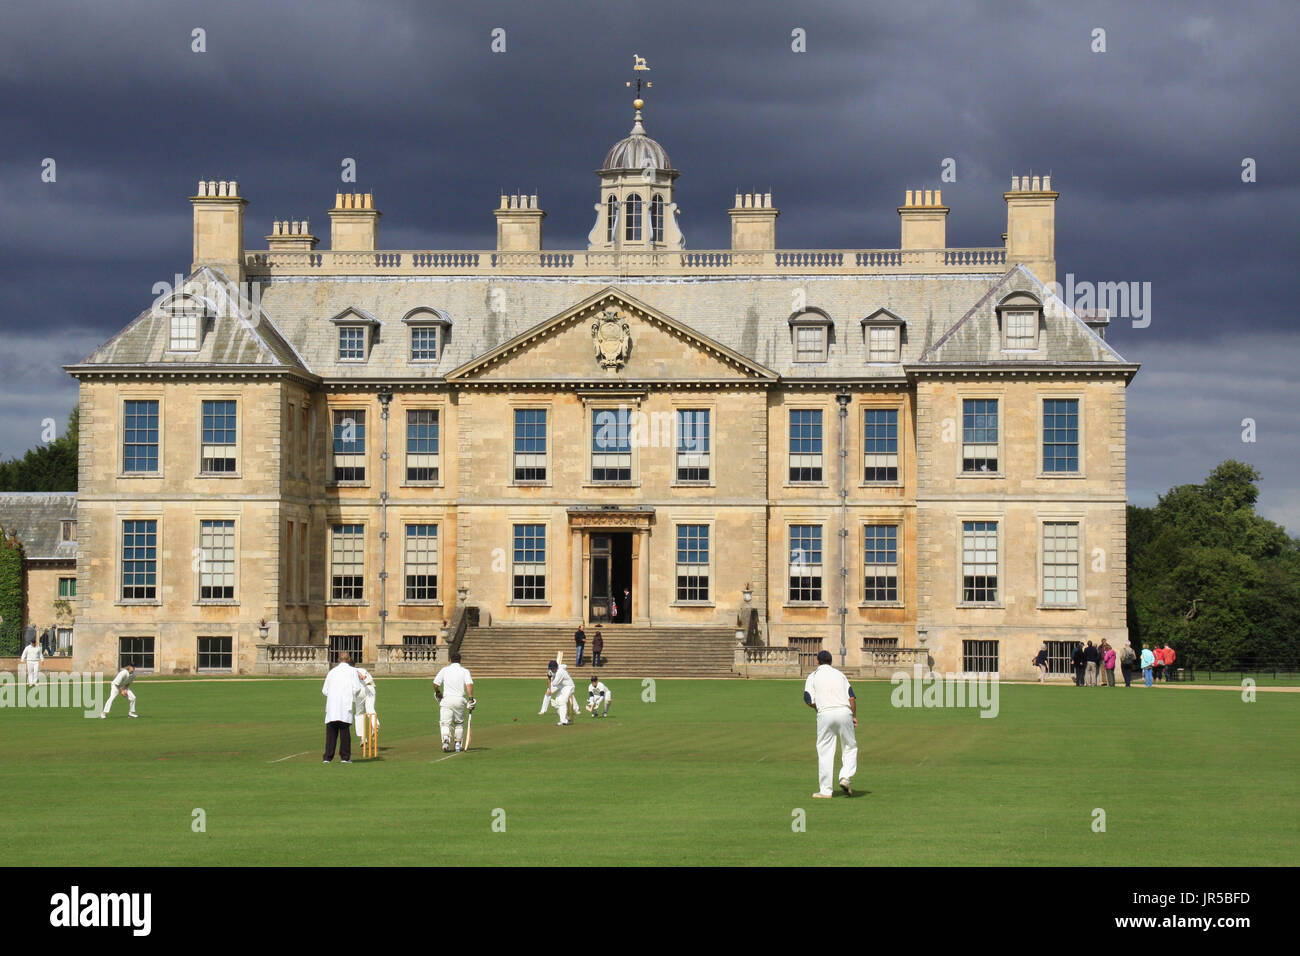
{"x": 636, "y": 151}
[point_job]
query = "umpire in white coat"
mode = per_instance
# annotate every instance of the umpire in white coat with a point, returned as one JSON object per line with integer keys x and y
{"x": 341, "y": 690}
{"x": 828, "y": 692}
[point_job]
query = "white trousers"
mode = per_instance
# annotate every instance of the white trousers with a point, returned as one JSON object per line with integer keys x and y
{"x": 112, "y": 696}
{"x": 361, "y": 720}
{"x": 832, "y": 725}
{"x": 562, "y": 701}
{"x": 33, "y": 669}
{"x": 597, "y": 702}
{"x": 452, "y": 711}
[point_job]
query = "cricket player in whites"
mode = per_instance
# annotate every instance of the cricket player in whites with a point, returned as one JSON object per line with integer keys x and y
{"x": 598, "y": 697}
{"x": 827, "y": 691}
{"x": 32, "y": 657}
{"x": 454, "y": 688}
{"x": 562, "y": 688}
{"x": 366, "y": 705}
{"x": 121, "y": 685}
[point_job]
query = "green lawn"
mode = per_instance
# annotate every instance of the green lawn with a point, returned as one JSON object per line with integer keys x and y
{"x": 712, "y": 772}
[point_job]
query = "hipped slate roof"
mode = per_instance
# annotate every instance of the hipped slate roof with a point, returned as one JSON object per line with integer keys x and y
{"x": 35, "y": 519}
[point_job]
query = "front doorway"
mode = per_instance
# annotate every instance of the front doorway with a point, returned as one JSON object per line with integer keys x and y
{"x": 611, "y": 578}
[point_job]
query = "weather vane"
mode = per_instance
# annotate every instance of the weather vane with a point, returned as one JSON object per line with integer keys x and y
{"x": 638, "y": 66}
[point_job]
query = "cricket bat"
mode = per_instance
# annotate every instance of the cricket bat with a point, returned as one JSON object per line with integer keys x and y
{"x": 469, "y": 729}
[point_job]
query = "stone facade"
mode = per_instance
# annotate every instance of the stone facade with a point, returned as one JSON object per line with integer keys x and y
{"x": 526, "y": 427}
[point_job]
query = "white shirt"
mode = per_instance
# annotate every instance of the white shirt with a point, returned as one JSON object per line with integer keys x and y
{"x": 342, "y": 685}
{"x": 453, "y": 679}
{"x": 599, "y": 689}
{"x": 33, "y": 654}
{"x": 828, "y": 688}
{"x": 560, "y": 681}
{"x": 123, "y": 679}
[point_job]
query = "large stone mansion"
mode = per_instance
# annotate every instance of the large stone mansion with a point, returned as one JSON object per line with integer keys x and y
{"x": 874, "y": 449}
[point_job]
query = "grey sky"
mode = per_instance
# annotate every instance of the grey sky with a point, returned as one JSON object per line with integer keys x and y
{"x": 1144, "y": 142}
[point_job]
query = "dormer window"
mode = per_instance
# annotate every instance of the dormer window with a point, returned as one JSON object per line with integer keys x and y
{"x": 1020, "y": 315}
{"x": 883, "y": 331}
{"x": 357, "y": 333}
{"x": 68, "y": 530}
{"x": 186, "y": 316}
{"x": 811, "y": 332}
{"x": 429, "y": 328}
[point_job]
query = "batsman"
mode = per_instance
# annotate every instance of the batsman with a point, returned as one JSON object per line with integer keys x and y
{"x": 454, "y": 688}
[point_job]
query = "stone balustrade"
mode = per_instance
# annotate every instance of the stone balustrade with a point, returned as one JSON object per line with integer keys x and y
{"x": 767, "y": 661}
{"x": 604, "y": 263}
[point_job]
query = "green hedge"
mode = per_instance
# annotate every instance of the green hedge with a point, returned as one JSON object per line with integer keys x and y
{"x": 11, "y": 597}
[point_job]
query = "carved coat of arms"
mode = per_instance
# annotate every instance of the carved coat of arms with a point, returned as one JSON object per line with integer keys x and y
{"x": 612, "y": 338}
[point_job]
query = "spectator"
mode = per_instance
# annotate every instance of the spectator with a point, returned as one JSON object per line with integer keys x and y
{"x": 1108, "y": 663}
{"x": 1041, "y": 663}
{"x": 1090, "y": 660}
{"x": 1127, "y": 659}
{"x": 1148, "y": 662}
{"x": 1077, "y": 660}
{"x": 580, "y": 641}
{"x": 597, "y": 647}
{"x": 1159, "y": 654}
{"x": 1169, "y": 656}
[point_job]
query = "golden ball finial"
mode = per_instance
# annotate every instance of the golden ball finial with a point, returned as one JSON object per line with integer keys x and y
{"x": 638, "y": 104}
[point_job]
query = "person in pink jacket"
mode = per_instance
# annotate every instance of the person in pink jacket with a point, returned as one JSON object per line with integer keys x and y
{"x": 1108, "y": 664}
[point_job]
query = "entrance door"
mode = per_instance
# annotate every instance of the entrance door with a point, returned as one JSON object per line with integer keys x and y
{"x": 602, "y": 585}
{"x": 621, "y": 576}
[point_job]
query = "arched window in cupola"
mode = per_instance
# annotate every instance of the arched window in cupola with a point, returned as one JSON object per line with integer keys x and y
{"x": 632, "y": 206}
{"x": 611, "y": 218}
{"x": 657, "y": 218}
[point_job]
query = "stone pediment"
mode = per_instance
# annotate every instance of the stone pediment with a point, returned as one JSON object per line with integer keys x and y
{"x": 611, "y": 336}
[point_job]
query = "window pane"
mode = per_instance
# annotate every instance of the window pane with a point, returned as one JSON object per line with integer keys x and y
{"x": 348, "y": 563}
{"x": 611, "y": 445}
{"x": 805, "y": 562}
{"x": 979, "y": 451}
{"x": 421, "y": 562}
{"x": 349, "y": 445}
{"x": 880, "y": 563}
{"x": 880, "y": 444}
{"x": 422, "y": 444}
{"x": 529, "y": 571}
{"x": 693, "y": 445}
{"x": 140, "y": 436}
{"x": 530, "y": 444}
{"x": 805, "y": 445}
{"x": 692, "y": 562}
{"x": 1061, "y": 562}
{"x": 1061, "y": 434}
{"x": 139, "y": 560}
{"x": 980, "y": 562}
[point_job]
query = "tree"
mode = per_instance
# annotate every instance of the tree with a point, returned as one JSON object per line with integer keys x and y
{"x": 51, "y": 467}
{"x": 12, "y": 596}
{"x": 1203, "y": 547}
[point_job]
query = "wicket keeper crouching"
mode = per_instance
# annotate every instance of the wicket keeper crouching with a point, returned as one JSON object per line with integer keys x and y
{"x": 454, "y": 688}
{"x": 598, "y": 698}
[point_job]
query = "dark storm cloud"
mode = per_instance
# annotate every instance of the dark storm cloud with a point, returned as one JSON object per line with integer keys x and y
{"x": 1145, "y": 143}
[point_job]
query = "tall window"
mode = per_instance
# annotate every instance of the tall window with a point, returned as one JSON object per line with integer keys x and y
{"x": 138, "y": 651}
{"x": 421, "y": 562}
{"x": 882, "y": 343}
{"x": 880, "y": 563}
{"x": 422, "y": 444}
{"x": 1022, "y": 330}
{"x": 880, "y": 444}
{"x": 693, "y": 444}
{"x": 530, "y": 444}
{"x": 352, "y": 342}
{"x": 1061, "y": 435}
{"x": 805, "y": 562}
{"x": 348, "y": 563}
{"x": 529, "y": 571}
{"x": 657, "y": 218}
{"x": 305, "y": 582}
{"x": 979, "y": 436}
{"x": 219, "y": 430}
{"x": 979, "y": 562}
{"x": 424, "y": 343}
{"x": 979, "y": 657}
{"x": 805, "y": 444}
{"x": 217, "y": 560}
{"x": 692, "y": 562}
{"x": 1061, "y": 562}
{"x": 140, "y": 436}
{"x": 611, "y": 218}
{"x": 611, "y": 444}
{"x": 140, "y": 560}
{"x": 349, "y": 445}
{"x": 810, "y": 343}
{"x": 304, "y": 443}
{"x": 632, "y": 215}
{"x": 215, "y": 654}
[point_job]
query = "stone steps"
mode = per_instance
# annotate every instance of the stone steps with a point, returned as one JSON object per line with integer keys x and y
{"x": 514, "y": 651}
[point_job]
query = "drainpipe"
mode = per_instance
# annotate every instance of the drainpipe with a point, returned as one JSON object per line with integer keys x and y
{"x": 385, "y": 399}
{"x": 843, "y": 398}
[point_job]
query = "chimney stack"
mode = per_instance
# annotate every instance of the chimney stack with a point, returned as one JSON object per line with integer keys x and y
{"x": 219, "y": 227}
{"x": 291, "y": 236}
{"x": 1031, "y": 225}
{"x": 354, "y": 223}
{"x": 519, "y": 223}
{"x": 753, "y": 222}
{"x": 924, "y": 220}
